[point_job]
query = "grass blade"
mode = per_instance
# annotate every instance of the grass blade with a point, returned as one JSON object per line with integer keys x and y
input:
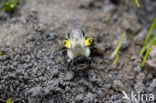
{"x": 1, "y": 53}
{"x": 148, "y": 36}
{"x": 126, "y": 2}
{"x": 116, "y": 59}
{"x": 118, "y": 46}
{"x": 8, "y": 100}
{"x": 152, "y": 42}
{"x": 143, "y": 50}
{"x": 137, "y": 3}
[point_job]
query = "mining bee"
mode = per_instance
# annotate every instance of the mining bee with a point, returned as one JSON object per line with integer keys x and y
{"x": 78, "y": 46}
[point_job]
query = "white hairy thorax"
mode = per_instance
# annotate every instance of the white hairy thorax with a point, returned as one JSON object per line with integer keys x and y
{"x": 78, "y": 49}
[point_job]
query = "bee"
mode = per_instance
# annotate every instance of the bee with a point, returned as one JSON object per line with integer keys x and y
{"x": 77, "y": 44}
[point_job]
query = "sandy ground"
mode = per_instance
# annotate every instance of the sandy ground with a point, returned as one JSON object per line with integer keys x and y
{"x": 34, "y": 66}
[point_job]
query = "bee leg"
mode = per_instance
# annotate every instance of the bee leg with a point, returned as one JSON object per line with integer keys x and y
{"x": 88, "y": 61}
{"x": 70, "y": 64}
{"x": 75, "y": 62}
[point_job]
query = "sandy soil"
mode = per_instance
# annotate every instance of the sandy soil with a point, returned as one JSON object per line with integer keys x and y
{"x": 34, "y": 66}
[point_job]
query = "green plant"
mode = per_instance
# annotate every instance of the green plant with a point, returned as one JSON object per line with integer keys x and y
{"x": 143, "y": 49}
{"x": 1, "y": 53}
{"x": 8, "y": 100}
{"x": 115, "y": 52}
{"x": 115, "y": 59}
{"x": 126, "y": 2}
{"x": 118, "y": 46}
{"x": 152, "y": 42}
{"x": 135, "y": 1}
{"x": 10, "y": 5}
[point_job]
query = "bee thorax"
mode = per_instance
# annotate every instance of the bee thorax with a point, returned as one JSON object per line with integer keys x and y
{"x": 73, "y": 53}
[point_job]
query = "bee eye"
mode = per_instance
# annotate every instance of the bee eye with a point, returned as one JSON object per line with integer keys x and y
{"x": 90, "y": 40}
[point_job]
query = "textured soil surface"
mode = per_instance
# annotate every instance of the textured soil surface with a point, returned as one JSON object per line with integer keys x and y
{"x": 33, "y": 68}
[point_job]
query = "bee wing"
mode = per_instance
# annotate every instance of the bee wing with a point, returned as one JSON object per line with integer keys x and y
{"x": 75, "y": 31}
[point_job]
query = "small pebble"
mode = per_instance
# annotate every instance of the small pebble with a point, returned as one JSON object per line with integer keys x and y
{"x": 118, "y": 85}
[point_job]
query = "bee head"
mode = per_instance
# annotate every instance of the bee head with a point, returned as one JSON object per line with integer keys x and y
{"x": 76, "y": 39}
{"x": 85, "y": 42}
